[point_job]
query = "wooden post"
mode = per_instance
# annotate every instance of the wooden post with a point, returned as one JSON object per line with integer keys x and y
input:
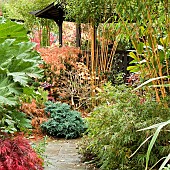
{"x": 60, "y": 34}
{"x": 60, "y": 25}
{"x": 78, "y": 35}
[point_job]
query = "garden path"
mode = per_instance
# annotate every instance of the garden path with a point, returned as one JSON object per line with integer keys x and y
{"x": 63, "y": 155}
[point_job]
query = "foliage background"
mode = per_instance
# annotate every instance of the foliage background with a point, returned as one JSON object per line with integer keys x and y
{"x": 112, "y": 134}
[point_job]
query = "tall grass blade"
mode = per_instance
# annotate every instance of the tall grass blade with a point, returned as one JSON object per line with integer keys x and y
{"x": 151, "y": 145}
{"x": 149, "y": 81}
{"x": 141, "y": 145}
{"x": 162, "y": 124}
{"x": 157, "y": 163}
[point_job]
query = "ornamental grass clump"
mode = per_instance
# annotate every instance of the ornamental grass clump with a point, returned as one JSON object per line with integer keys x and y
{"x": 112, "y": 135}
{"x": 63, "y": 122}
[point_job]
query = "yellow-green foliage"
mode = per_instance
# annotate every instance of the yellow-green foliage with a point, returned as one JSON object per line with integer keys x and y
{"x": 21, "y": 9}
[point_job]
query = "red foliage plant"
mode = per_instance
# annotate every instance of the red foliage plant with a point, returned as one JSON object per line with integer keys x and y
{"x": 68, "y": 75}
{"x": 58, "y": 62}
{"x": 17, "y": 154}
{"x": 57, "y": 57}
{"x": 36, "y": 113}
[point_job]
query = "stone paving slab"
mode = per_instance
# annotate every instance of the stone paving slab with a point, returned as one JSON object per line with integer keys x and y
{"x": 63, "y": 155}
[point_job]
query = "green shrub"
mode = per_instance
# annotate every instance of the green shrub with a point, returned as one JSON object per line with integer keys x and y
{"x": 63, "y": 122}
{"x": 112, "y": 135}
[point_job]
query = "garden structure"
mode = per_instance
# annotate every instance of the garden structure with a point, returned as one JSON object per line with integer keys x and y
{"x": 95, "y": 57}
{"x": 57, "y": 13}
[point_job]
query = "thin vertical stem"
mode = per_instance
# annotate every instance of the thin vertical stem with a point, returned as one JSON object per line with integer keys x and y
{"x": 92, "y": 63}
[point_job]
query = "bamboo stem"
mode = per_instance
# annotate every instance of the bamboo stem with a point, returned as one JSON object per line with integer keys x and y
{"x": 92, "y": 63}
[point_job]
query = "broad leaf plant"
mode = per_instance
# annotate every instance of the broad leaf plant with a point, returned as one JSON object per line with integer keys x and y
{"x": 19, "y": 64}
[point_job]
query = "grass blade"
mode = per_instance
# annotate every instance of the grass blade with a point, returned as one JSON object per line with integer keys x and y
{"x": 157, "y": 163}
{"x": 149, "y": 81}
{"x": 140, "y": 146}
{"x": 151, "y": 145}
{"x": 155, "y": 125}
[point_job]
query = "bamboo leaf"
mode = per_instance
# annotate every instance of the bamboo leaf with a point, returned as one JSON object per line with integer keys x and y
{"x": 140, "y": 48}
{"x": 133, "y": 69}
{"x": 155, "y": 125}
{"x": 149, "y": 81}
{"x": 141, "y": 145}
{"x": 133, "y": 55}
{"x": 161, "y": 85}
{"x": 151, "y": 145}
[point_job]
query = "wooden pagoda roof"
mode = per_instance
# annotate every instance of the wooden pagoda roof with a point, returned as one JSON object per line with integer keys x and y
{"x": 52, "y": 11}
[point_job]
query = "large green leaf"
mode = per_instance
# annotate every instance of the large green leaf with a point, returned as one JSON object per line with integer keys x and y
{"x": 8, "y": 91}
{"x": 19, "y": 77}
{"x": 6, "y": 52}
{"x": 8, "y": 83}
{"x": 19, "y": 61}
{"x": 12, "y": 30}
{"x": 18, "y": 65}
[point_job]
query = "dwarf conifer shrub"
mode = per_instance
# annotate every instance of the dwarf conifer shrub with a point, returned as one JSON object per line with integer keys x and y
{"x": 63, "y": 122}
{"x": 17, "y": 154}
